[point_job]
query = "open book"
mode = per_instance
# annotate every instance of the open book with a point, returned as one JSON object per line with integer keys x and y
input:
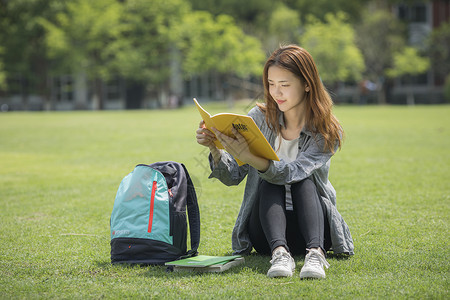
{"x": 205, "y": 263}
{"x": 245, "y": 125}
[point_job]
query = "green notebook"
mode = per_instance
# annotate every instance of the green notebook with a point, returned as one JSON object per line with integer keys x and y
{"x": 202, "y": 261}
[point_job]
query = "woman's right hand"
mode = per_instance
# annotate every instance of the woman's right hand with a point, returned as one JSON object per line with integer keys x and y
{"x": 204, "y": 136}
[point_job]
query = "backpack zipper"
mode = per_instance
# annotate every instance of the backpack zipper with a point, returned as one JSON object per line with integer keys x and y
{"x": 152, "y": 204}
{"x": 171, "y": 212}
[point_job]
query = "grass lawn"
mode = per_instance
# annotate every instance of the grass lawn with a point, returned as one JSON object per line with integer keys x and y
{"x": 59, "y": 173}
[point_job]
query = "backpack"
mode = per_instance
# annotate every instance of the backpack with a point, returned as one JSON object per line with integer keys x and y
{"x": 148, "y": 220}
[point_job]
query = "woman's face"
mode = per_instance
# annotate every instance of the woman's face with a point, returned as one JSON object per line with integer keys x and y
{"x": 286, "y": 89}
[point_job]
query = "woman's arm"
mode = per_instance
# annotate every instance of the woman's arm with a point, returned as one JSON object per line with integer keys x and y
{"x": 308, "y": 161}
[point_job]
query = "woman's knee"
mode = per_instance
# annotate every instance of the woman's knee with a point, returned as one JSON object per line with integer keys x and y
{"x": 267, "y": 187}
{"x": 304, "y": 187}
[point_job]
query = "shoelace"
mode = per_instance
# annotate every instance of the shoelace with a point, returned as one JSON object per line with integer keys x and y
{"x": 280, "y": 257}
{"x": 314, "y": 257}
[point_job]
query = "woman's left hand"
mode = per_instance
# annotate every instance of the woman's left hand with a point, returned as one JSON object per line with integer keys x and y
{"x": 239, "y": 148}
{"x": 236, "y": 146}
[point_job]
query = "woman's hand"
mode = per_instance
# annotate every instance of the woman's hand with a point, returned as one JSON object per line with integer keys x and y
{"x": 239, "y": 148}
{"x": 236, "y": 146}
{"x": 204, "y": 136}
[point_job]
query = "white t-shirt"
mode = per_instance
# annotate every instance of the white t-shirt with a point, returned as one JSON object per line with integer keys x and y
{"x": 287, "y": 150}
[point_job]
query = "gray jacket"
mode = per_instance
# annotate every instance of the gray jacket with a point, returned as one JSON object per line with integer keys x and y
{"x": 312, "y": 162}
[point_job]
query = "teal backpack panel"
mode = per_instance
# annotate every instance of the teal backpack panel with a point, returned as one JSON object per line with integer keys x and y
{"x": 142, "y": 207}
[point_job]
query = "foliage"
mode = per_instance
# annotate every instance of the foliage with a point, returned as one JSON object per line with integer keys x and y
{"x": 243, "y": 11}
{"x": 275, "y": 22}
{"x": 142, "y": 53}
{"x": 447, "y": 88}
{"x": 284, "y": 26}
{"x": 332, "y": 45}
{"x": 217, "y": 44}
{"x": 408, "y": 62}
{"x": 135, "y": 39}
{"x": 2, "y": 71}
{"x": 21, "y": 32}
{"x": 79, "y": 37}
{"x": 379, "y": 36}
{"x": 321, "y": 8}
{"x": 139, "y": 40}
{"x": 22, "y": 39}
{"x": 439, "y": 49}
{"x": 60, "y": 173}
{"x": 259, "y": 11}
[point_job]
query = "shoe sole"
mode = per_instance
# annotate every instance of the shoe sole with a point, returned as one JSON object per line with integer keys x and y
{"x": 279, "y": 273}
{"x": 311, "y": 275}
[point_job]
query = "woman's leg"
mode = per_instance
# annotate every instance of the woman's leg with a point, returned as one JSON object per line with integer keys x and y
{"x": 272, "y": 214}
{"x": 295, "y": 240}
{"x": 310, "y": 215}
{"x": 267, "y": 229}
{"x": 309, "y": 212}
{"x": 256, "y": 232}
{"x": 267, "y": 224}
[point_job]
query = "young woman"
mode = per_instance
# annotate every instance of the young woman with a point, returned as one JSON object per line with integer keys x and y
{"x": 289, "y": 206}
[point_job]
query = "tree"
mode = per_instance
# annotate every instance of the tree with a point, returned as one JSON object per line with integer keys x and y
{"x": 145, "y": 54}
{"x": 447, "y": 88}
{"x": 22, "y": 40}
{"x": 284, "y": 27}
{"x": 78, "y": 40}
{"x": 321, "y": 8}
{"x": 245, "y": 12}
{"x": 332, "y": 45}
{"x": 408, "y": 62}
{"x": 217, "y": 44}
{"x": 2, "y": 71}
{"x": 439, "y": 49}
{"x": 260, "y": 17}
{"x": 379, "y": 37}
{"x": 217, "y": 47}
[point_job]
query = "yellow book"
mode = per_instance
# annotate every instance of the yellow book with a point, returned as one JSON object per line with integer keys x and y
{"x": 245, "y": 125}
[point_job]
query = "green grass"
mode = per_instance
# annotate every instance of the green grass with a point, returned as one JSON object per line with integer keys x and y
{"x": 59, "y": 173}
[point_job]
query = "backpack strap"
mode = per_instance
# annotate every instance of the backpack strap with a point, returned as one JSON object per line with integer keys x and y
{"x": 193, "y": 215}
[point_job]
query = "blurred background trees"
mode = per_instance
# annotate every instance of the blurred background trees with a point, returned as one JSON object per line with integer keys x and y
{"x": 439, "y": 51}
{"x": 80, "y": 39}
{"x": 332, "y": 45}
{"x": 114, "y": 54}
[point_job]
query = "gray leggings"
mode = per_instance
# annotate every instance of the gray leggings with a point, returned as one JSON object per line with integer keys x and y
{"x": 271, "y": 225}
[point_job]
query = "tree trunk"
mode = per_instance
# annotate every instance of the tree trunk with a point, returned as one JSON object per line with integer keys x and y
{"x": 98, "y": 95}
{"x": 410, "y": 96}
{"x": 80, "y": 89}
{"x": 24, "y": 92}
{"x": 176, "y": 79}
{"x": 381, "y": 93}
{"x": 163, "y": 96}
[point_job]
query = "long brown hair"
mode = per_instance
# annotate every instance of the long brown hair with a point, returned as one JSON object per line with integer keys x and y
{"x": 319, "y": 116}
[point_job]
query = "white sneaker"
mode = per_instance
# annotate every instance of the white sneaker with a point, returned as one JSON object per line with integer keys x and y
{"x": 314, "y": 263}
{"x": 283, "y": 264}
